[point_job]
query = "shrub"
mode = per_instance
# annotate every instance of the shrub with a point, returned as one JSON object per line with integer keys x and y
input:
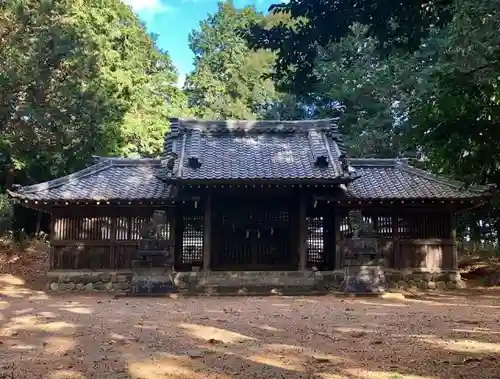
{"x": 6, "y": 214}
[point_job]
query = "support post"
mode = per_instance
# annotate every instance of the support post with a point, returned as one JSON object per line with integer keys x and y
{"x": 338, "y": 251}
{"x": 395, "y": 259}
{"x": 207, "y": 233}
{"x": 52, "y": 237}
{"x": 302, "y": 232}
{"x": 454, "y": 250}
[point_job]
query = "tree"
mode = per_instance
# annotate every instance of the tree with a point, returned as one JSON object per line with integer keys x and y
{"x": 361, "y": 88}
{"x": 76, "y": 79}
{"x": 230, "y": 79}
{"x": 394, "y": 25}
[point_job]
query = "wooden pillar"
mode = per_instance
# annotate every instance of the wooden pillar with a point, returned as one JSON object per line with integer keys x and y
{"x": 338, "y": 250}
{"x": 302, "y": 240}
{"x": 454, "y": 250}
{"x": 207, "y": 233}
{"x": 38, "y": 222}
{"x": 396, "y": 255}
{"x": 52, "y": 237}
{"x": 113, "y": 251}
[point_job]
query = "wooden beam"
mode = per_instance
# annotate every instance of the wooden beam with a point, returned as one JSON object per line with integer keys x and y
{"x": 302, "y": 245}
{"x": 453, "y": 228}
{"x": 338, "y": 250}
{"x": 207, "y": 233}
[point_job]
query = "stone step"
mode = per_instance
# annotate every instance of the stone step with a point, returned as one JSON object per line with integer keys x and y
{"x": 256, "y": 290}
{"x": 151, "y": 284}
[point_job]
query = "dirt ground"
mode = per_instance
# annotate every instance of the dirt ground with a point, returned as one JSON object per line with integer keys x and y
{"x": 87, "y": 336}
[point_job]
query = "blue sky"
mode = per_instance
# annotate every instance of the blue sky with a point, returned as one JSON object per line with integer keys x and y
{"x": 173, "y": 20}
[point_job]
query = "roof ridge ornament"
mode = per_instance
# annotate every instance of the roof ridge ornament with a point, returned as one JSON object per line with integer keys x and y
{"x": 318, "y": 148}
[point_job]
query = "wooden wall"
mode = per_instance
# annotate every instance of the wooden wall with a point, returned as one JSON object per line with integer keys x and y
{"x": 107, "y": 237}
{"x": 409, "y": 238}
{"x": 100, "y": 237}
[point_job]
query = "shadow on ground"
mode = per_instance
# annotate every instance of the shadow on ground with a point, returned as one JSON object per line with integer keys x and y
{"x": 438, "y": 335}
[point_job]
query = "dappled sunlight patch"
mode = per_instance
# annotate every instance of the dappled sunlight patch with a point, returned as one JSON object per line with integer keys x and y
{"x": 58, "y": 345}
{"x": 367, "y": 374}
{"x": 352, "y": 330}
{"x": 281, "y": 361}
{"x": 23, "y": 311}
{"x": 447, "y": 304}
{"x": 12, "y": 280}
{"x": 464, "y": 346}
{"x": 14, "y": 291}
{"x": 302, "y": 300}
{"x": 78, "y": 310}
{"x": 47, "y": 314}
{"x": 378, "y": 303}
{"x": 168, "y": 366}
{"x": 269, "y": 328}
{"x": 476, "y": 331}
{"x": 32, "y": 323}
{"x": 327, "y": 375}
{"x": 4, "y": 305}
{"x": 283, "y": 349}
{"x": 66, "y": 374}
{"x": 214, "y": 311}
{"x": 22, "y": 347}
{"x": 39, "y": 295}
{"x": 212, "y": 333}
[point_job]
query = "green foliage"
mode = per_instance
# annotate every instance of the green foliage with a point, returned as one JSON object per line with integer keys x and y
{"x": 77, "y": 79}
{"x": 456, "y": 116}
{"x": 230, "y": 80}
{"x": 358, "y": 86}
{"x": 6, "y": 214}
{"x": 394, "y": 25}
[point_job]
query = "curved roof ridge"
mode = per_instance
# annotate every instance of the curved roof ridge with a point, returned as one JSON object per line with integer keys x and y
{"x": 101, "y": 163}
{"x": 123, "y": 161}
{"x": 54, "y": 183}
{"x": 402, "y": 164}
{"x": 270, "y": 126}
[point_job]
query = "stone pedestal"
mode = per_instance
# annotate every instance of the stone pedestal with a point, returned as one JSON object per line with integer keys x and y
{"x": 363, "y": 267}
{"x": 152, "y": 268}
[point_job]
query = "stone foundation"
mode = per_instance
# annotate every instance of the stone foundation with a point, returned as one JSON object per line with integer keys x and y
{"x": 78, "y": 280}
{"x": 403, "y": 280}
{"x": 248, "y": 282}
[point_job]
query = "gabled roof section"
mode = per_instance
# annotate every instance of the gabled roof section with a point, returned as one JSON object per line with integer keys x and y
{"x": 395, "y": 179}
{"x": 219, "y": 151}
{"x": 109, "y": 179}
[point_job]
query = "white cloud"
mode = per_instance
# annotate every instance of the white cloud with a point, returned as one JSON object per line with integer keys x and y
{"x": 148, "y": 6}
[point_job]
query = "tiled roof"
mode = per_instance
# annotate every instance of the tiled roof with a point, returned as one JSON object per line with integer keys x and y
{"x": 108, "y": 179}
{"x": 395, "y": 179}
{"x": 254, "y": 150}
{"x": 142, "y": 179}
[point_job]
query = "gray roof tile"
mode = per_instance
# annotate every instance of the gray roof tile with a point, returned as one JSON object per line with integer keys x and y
{"x": 395, "y": 179}
{"x": 127, "y": 179}
{"x": 255, "y": 150}
{"x": 108, "y": 179}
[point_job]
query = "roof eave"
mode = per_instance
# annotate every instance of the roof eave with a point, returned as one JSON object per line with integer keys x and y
{"x": 265, "y": 181}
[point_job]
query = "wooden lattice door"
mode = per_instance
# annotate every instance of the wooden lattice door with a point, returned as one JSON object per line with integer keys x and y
{"x": 252, "y": 237}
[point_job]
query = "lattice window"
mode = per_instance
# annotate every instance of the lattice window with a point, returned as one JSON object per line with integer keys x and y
{"x": 315, "y": 240}
{"x": 381, "y": 223}
{"x": 82, "y": 228}
{"x": 122, "y": 228}
{"x": 420, "y": 225}
{"x": 192, "y": 240}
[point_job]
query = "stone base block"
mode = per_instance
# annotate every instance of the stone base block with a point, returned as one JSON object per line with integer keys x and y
{"x": 248, "y": 282}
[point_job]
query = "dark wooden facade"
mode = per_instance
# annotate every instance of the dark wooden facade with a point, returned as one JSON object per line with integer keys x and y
{"x": 251, "y": 195}
{"x": 282, "y": 228}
